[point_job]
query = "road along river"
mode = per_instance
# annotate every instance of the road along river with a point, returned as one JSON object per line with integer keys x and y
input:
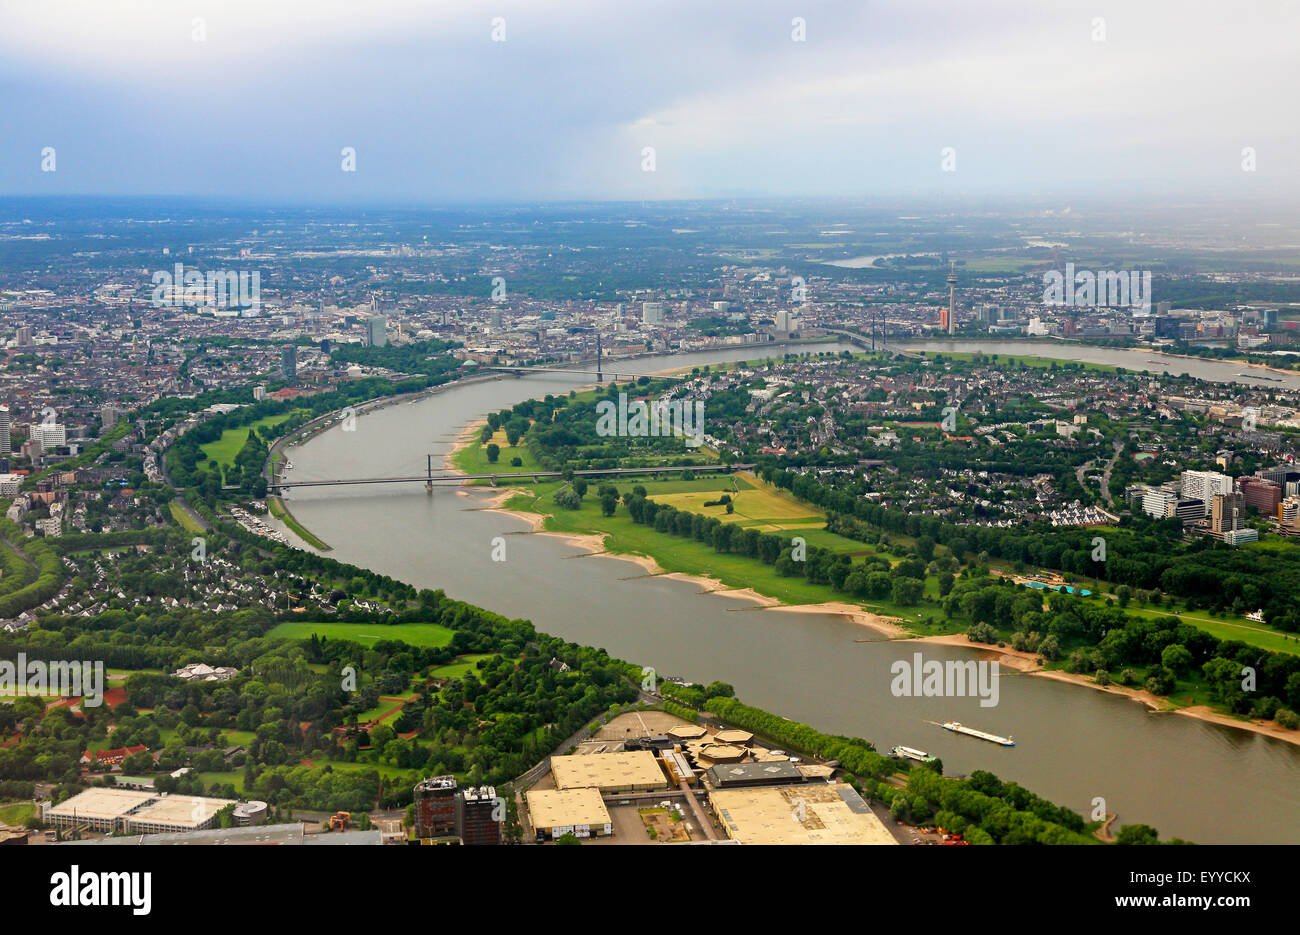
{"x": 1189, "y": 778}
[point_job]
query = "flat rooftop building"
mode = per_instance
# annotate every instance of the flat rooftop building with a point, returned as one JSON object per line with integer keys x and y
{"x": 635, "y": 771}
{"x": 821, "y": 813}
{"x": 771, "y": 773}
{"x": 580, "y": 812}
{"x": 291, "y": 835}
{"x": 139, "y": 812}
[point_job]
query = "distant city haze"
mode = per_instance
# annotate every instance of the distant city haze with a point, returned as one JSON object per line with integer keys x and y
{"x": 507, "y": 101}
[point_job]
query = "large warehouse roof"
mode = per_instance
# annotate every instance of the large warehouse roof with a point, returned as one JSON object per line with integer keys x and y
{"x": 806, "y": 814}
{"x": 617, "y": 772}
{"x": 565, "y": 808}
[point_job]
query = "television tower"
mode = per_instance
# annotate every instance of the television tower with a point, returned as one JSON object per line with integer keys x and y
{"x": 952, "y": 295}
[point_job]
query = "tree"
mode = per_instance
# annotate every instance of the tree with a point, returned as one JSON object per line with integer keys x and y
{"x": 1176, "y": 656}
{"x": 608, "y": 504}
{"x": 907, "y": 591}
{"x": 493, "y": 452}
{"x": 946, "y": 581}
{"x": 1137, "y": 834}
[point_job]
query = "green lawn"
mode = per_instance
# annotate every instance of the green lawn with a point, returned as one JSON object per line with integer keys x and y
{"x": 14, "y": 814}
{"x": 385, "y": 705}
{"x": 367, "y": 634}
{"x": 676, "y": 554}
{"x": 473, "y": 459}
{"x": 183, "y": 519}
{"x": 1027, "y": 359}
{"x": 231, "y": 442}
{"x": 1227, "y": 628}
{"x": 458, "y": 669}
{"x": 234, "y": 777}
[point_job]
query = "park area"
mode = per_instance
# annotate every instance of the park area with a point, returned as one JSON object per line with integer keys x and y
{"x": 231, "y": 442}
{"x": 367, "y": 634}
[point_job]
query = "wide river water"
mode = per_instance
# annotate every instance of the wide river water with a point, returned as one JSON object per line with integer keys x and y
{"x": 1188, "y": 778}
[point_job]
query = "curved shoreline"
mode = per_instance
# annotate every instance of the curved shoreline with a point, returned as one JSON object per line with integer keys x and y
{"x": 1022, "y": 662}
{"x": 1026, "y": 663}
{"x": 595, "y": 544}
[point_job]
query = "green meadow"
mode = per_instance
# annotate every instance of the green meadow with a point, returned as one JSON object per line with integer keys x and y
{"x": 367, "y": 634}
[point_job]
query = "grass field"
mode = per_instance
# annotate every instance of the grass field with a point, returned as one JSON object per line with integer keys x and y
{"x": 384, "y": 706}
{"x": 458, "y": 669}
{"x": 758, "y": 504}
{"x": 15, "y": 813}
{"x": 1228, "y": 628}
{"x": 367, "y": 634}
{"x": 676, "y": 554}
{"x": 1027, "y": 359}
{"x": 183, "y": 519}
{"x": 472, "y": 459}
{"x": 225, "y": 448}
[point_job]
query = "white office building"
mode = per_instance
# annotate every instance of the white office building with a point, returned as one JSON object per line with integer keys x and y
{"x": 1203, "y": 485}
{"x": 50, "y": 434}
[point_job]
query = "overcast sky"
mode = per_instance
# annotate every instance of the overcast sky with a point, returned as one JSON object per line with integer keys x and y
{"x": 437, "y": 110}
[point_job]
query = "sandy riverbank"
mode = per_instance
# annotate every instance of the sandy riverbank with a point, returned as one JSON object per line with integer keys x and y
{"x": 1027, "y": 663}
{"x": 886, "y": 626}
{"x": 468, "y": 435}
{"x": 1020, "y": 661}
{"x": 594, "y": 543}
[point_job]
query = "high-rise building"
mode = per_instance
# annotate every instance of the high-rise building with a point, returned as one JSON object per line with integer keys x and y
{"x": 108, "y": 416}
{"x": 1263, "y": 495}
{"x": 435, "y": 807}
{"x": 652, "y": 313}
{"x": 1226, "y": 512}
{"x": 1288, "y": 512}
{"x": 6, "y": 443}
{"x": 477, "y": 816}
{"x": 1203, "y": 485}
{"x": 289, "y": 362}
{"x": 23, "y": 335}
{"x": 376, "y": 331}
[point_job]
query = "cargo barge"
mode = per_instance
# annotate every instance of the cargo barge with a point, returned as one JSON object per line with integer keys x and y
{"x": 981, "y": 735}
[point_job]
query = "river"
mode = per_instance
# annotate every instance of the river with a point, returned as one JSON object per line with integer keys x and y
{"x": 1188, "y": 778}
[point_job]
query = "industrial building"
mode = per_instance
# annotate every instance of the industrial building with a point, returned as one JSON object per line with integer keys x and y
{"x": 289, "y": 835}
{"x": 635, "y": 771}
{"x": 134, "y": 812}
{"x": 557, "y": 812}
{"x": 769, "y": 773}
{"x": 820, "y": 813}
